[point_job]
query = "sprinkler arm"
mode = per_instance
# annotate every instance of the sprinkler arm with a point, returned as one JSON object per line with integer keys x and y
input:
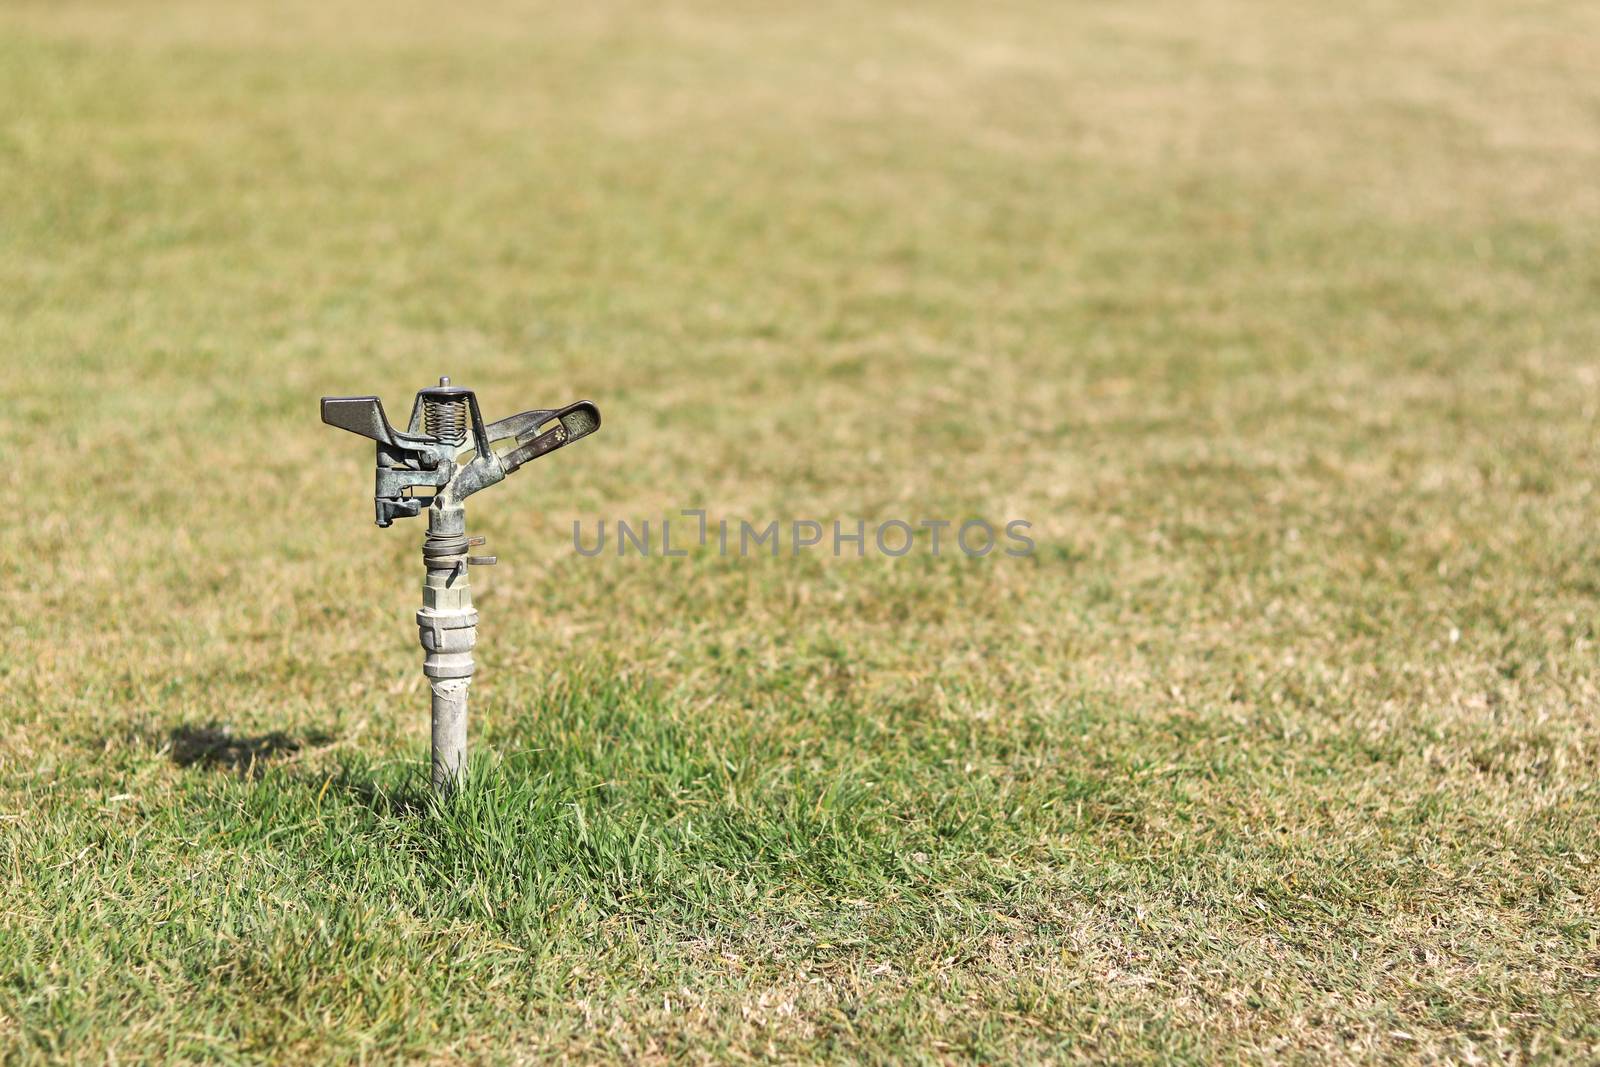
{"x": 573, "y": 422}
{"x": 488, "y": 466}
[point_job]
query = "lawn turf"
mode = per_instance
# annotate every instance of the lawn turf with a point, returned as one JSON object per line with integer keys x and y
{"x": 1280, "y": 324}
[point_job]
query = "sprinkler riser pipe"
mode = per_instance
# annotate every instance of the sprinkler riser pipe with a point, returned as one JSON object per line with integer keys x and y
{"x": 447, "y": 629}
{"x": 449, "y": 741}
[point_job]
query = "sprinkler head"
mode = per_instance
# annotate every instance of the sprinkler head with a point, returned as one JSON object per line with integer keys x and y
{"x": 444, "y": 456}
{"x": 446, "y": 452}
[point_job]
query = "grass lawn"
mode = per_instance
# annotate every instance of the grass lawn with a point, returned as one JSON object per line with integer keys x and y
{"x": 1280, "y": 323}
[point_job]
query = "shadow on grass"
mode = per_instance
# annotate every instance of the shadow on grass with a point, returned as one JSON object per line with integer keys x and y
{"x": 217, "y": 746}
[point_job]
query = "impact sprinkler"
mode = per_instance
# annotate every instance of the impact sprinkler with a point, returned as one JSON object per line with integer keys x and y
{"x": 433, "y": 465}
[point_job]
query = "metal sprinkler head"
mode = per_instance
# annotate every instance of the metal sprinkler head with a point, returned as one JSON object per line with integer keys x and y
{"x": 444, "y": 456}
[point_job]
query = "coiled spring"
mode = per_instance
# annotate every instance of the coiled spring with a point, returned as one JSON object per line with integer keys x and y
{"x": 446, "y": 420}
